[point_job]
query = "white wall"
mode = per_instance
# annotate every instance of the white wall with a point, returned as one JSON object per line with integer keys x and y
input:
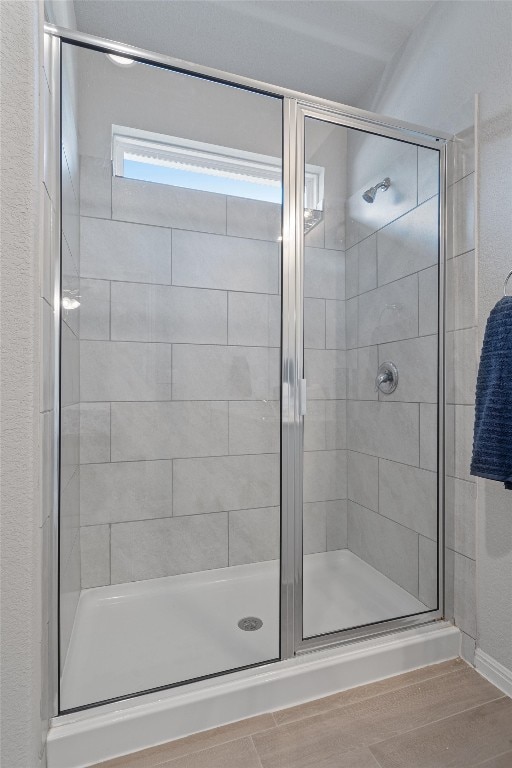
{"x": 461, "y": 49}
{"x": 21, "y": 519}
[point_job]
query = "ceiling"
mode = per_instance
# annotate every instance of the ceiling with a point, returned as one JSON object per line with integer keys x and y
{"x": 336, "y": 49}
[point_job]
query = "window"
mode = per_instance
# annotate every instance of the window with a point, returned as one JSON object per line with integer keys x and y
{"x": 147, "y": 156}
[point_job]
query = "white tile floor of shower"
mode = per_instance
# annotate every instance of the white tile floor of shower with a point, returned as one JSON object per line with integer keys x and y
{"x": 142, "y": 635}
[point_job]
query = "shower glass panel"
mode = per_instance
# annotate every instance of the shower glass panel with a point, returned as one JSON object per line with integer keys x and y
{"x": 170, "y": 378}
{"x": 370, "y": 344}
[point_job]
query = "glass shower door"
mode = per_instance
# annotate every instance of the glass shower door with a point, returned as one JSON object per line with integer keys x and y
{"x": 170, "y": 378}
{"x": 370, "y": 361}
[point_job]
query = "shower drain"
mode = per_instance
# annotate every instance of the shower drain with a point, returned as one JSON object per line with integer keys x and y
{"x": 250, "y": 623}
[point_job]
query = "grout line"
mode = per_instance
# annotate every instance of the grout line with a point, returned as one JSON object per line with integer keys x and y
{"x": 391, "y": 520}
{"x": 187, "y": 344}
{"x": 196, "y": 514}
{"x": 430, "y": 723}
{"x": 256, "y": 749}
{"x": 402, "y": 215}
{"x": 206, "y": 233}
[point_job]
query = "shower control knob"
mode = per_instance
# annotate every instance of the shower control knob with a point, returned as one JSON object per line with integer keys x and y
{"x": 386, "y": 380}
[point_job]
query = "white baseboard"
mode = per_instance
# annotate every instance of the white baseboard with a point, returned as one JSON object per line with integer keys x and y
{"x": 493, "y": 671}
{"x": 85, "y": 738}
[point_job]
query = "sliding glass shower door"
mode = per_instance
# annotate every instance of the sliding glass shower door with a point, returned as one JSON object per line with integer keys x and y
{"x": 370, "y": 342}
{"x": 170, "y": 377}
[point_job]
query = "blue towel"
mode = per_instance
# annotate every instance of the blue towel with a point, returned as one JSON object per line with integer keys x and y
{"x": 492, "y": 441}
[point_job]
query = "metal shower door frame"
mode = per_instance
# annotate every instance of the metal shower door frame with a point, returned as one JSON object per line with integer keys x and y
{"x": 296, "y": 107}
{"x": 293, "y": 365}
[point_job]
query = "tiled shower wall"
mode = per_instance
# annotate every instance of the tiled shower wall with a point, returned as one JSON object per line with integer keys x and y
{"x": 180, "y": 381}
{"x": 391, "y": 292}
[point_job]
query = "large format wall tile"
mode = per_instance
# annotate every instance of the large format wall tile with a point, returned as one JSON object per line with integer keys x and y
{"x": 69, "y": 518}
{"x": 202, "y": 372}
{"x": 118, "y": 492}
{"x": 114, "y": 370}
{"x": 70, "y": 289}
{"x": 335, "y": 325}
{"x": 460, "y": 525}
{"x": 254, "y": 319}
{"x": 416, "y": 360}
{"x": 428, "y": 301}
{"x": 324, "y": 274}
{"x": 95, "y": 555}
{"x": 325, "y": 475}
{"x": 428, "y": 436}
{"x": 428, "y": 173}
{"x": 336, "y": 524}
{"x": 325, "y": 425}
{"x": 168, "y": 430}
{"x": 384, "y": 544}
{"x": 94, "y": 309}
{"x": 163, "y": 205}
{"x": 168, "y": 313}
{"x": 408, "y": 244}
{"x": 464, "y": 592}
{"x": 115, "y": 250}
{"x": 427, "y": 572}
{"x": 388, "y": 430}
{"x": 325, "y": 373}
{"x": 253, "y": 218}
{"x": 352, "y": 322}
{"x": 315, "y": 324}
{"x": 362, "y": 366}
{"x": 314, "y": 520}
{"x": 154, "y": 548}
{"x": 363, "y": 479}
{"x": 362, "y": 218}
{"x": 254, "y": 426}
{"x": 361, "y": 267}
{"x": 69, "y": 442}
{"x": 94, "y": 433}
{"x": 408, "y": 495}
{"x": 254, "y": 535}
{"x": 227, "y": 263}
{"x": 95, "y": 187}
{"x": 335, "y": 424}
{"x": 225, "y": 483}
{"x": 390, "y": 313}
{"x": 314, "y": 432}
{"x": 70, "y": 384}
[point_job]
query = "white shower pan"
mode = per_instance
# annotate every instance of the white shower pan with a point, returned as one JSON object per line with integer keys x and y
{"x": 134, "y": 637}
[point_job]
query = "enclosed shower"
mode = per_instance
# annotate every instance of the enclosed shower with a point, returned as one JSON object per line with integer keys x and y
{"x": 250, "y": 373}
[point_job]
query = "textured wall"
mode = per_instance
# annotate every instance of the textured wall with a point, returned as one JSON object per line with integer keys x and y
{"x": 21, "y": 532}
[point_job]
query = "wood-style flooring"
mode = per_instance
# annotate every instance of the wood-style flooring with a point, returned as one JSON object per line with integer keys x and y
{"x": 443, "y": 716}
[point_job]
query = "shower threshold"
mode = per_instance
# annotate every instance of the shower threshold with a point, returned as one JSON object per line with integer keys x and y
{"x": 141, "y": 635}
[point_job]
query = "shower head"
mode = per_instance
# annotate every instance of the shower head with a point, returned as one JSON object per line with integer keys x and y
{"x": 370, "y": 194}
